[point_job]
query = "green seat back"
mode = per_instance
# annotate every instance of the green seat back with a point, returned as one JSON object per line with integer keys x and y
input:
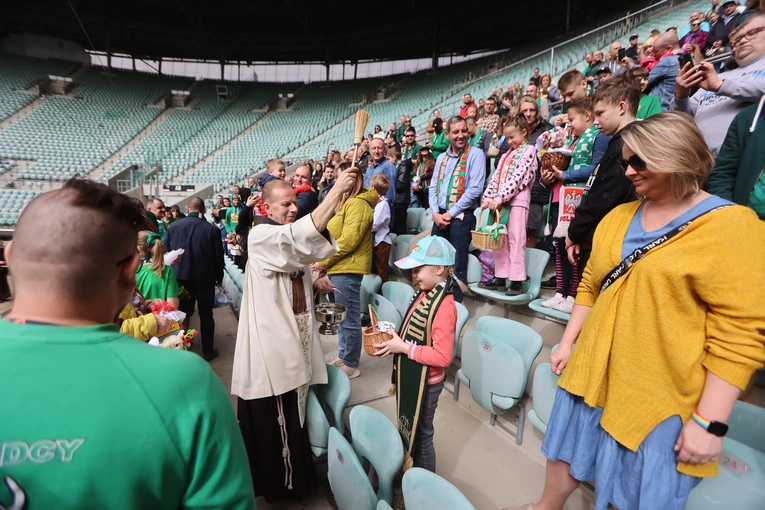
{"x": 376, "y": 439}
{"x": 317, "y": 425}
{"x": 399, "y": 294}
{"x": 370, "y": 284}
{"x": 385, "y": 310}
{"x": 413, "y": 216}
{"x": 335, "y": 395}
{"x": 348, "y": 480}
{"x": 527, "y": 342}
{"x": 491, "y": 367}
{"x": 424, "y": 490}
{"x": 462, "y": 317}
{"x": 398, "y": 251}
{"x": 543, "y": 396}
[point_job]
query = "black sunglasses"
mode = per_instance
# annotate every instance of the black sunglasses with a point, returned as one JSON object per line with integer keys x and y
{"x": 634, "y": 162}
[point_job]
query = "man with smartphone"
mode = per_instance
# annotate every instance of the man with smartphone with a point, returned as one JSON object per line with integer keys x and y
{"x": 721, "y": 96}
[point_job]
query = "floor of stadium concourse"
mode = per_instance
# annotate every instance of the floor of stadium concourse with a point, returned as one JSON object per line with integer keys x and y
{"x": 481, "y": 461}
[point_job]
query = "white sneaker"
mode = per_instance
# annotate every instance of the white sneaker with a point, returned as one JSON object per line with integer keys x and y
{"x": 335, "y": 362}
{"x": 553, "y": 301}
{"x": 565, "y": 306}
{"x": 351, "y": 372}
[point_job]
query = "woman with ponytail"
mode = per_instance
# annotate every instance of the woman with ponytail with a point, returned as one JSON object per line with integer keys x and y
{"x": 154, "y": 279}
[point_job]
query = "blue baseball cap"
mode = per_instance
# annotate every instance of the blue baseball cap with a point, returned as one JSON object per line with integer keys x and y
{"x": 430, "y": 251}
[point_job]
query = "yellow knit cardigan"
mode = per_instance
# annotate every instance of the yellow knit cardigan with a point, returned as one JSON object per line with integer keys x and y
{"x": 694, "y": 304}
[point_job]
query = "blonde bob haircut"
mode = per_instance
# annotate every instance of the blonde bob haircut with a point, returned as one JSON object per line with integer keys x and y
{"x": 671, "y": 143}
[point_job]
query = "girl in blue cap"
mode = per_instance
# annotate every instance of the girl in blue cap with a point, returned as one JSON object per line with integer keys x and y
{"x": 424, "y": 348}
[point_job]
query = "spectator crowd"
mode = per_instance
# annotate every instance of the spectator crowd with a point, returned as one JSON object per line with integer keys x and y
{"x": 657, "y": 143}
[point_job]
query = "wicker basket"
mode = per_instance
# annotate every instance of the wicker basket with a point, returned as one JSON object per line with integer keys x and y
{"x": 372, "y": 337}
{"x": 556, "y": 159}
{"x": 485, "y": 241}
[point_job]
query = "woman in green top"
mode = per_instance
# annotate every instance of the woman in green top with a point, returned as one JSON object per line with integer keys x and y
{"x": 649, "y": 105}
{"x": 154, "y": 279}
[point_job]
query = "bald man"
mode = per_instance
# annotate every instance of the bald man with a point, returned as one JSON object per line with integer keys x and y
{"x": 278, "y": 351}
{"x": 307, "y": 198}
{"x": 200, "y": 268}
{"x": 93, "y": 418}
{"x": 663, "y": 77}
{"x": 157, "y": 208}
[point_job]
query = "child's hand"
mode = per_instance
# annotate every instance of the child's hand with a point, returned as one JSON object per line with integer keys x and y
{"x": 490, "y": 204}
{"x": 393, "y": 346}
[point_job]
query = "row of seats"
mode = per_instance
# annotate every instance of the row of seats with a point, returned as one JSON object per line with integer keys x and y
{"x": 376, "y": 443}
{"x": 12, "y": 202}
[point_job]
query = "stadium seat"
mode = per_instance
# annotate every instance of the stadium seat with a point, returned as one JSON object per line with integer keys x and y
{"x": 348, "y": 480}
{"x": 325, "y": 407}
{"x": 536, "y": 261}
{"x": 740, "y": 482}
{"x": 413, "y": 217}
{"x": 385, "y": 310}
{"x": 462, "y": 317}
{"x": 496, "y": 361}
{"x": 424, "y": 490}
{"x": 399, "y": 294}
{"x": 426, "y": 220}
{"x": 536, "y": 305}
{"x": 543, "y": 396}
{"x": 398, "y": 251}
{"x": 370, "y": 284}
{"x": 377, "y": 440}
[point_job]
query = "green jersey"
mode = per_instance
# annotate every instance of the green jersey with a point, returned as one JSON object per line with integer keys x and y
{"x": 152, "y": 286}
{"x": 96, "y": 419}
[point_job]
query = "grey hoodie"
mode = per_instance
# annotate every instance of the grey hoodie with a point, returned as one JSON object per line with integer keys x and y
{"x": 715, "y": 111}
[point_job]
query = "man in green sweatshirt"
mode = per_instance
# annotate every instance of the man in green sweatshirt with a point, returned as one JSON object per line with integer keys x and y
{"x": 93, "y": 418}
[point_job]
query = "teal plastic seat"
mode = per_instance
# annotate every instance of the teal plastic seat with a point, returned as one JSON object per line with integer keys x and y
{"x": 462, "y": 317}
{"x": 543, "y": 396}
{"x": 399, "y": 294}
{"x": 741, "y": 480}
{"x": 426, "y": 220}
{"x": 496, "y": 362}
{"x": 413, "y": 216}
{"x": 424, "y": 490}
{"x": 536, "y": 261}
{"x": 348, "y": 480}
{"x": 385, "y": 310}
{"x": 536, "y": 305}
{"x": 325, "y": 407}
{"x": 398, "y": 251}
{"x": 370, "y": 284}
{"x": 382, "y": 505}
{"x": 377, "y": 440}
{"x": 474, "y": 270}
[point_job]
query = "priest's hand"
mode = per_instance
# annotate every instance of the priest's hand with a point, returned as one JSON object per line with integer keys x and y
{"x": 393, "y": 346}
{"x": 323, "y": 285}
{"x": 316, "y": 267}
{"x": 345, "y": 182}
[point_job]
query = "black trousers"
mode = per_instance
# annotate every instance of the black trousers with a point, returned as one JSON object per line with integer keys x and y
{"x": 202, "y": 294}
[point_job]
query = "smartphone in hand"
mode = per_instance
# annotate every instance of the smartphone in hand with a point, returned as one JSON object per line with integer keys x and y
{"x": 622, "y": 54}
{"x": 685, "y": 58}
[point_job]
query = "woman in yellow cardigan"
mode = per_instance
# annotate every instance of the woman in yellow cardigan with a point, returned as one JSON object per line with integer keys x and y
{"x": 663, "y": 350}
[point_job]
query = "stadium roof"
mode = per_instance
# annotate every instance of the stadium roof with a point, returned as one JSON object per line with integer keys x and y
{"x": 302, "y": 31}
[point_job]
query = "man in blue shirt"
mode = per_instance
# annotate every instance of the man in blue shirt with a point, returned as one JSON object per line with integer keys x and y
{"x": 380, "y": 165}
{"x": 663, "y": 77}
{"x": 454, "y": 199}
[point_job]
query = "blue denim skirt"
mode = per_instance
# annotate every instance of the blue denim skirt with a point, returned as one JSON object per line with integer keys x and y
{"x": 643, "y": 480}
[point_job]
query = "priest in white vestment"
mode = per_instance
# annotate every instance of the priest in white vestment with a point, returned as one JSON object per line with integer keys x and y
{"x": 278, "y": 353}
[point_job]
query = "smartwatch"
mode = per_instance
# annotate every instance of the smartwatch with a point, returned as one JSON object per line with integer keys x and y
{"x": 715, "y": 428}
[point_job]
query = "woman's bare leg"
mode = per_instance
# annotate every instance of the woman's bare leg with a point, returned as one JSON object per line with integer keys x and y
{"x": 559, "y": 484}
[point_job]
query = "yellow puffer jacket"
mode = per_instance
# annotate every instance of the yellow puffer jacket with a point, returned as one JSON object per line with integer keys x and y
{"x": 352, "y": 229}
